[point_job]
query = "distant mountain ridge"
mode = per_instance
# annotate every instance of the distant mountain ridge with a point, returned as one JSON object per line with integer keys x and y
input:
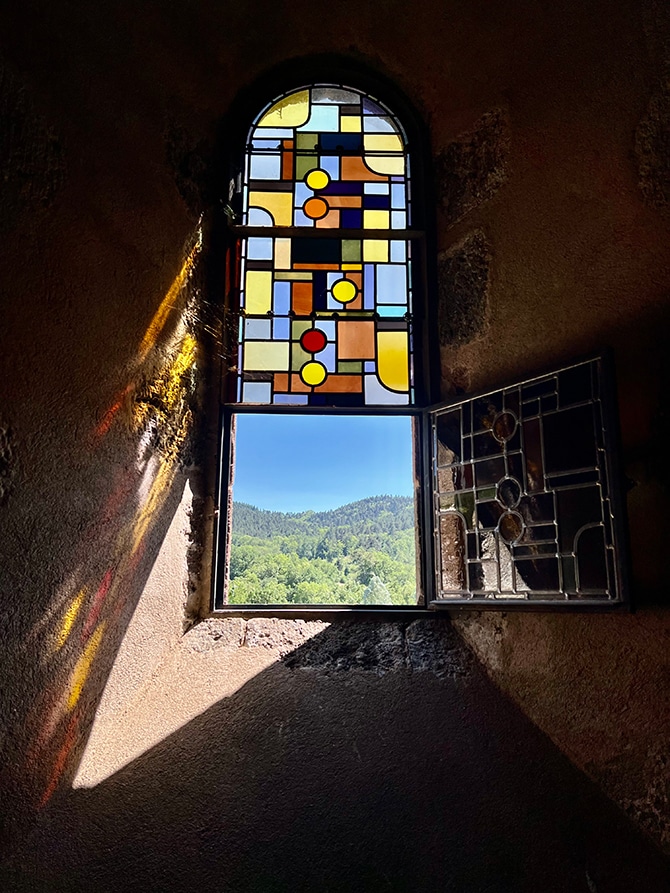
{"x": 375, "y": 513}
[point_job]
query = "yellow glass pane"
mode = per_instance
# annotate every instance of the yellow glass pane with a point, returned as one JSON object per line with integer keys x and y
{"x": 293, "y": 275}
{"x": 313, "y": 373}
{"x": 350, "y": 123}
{"x": 282, "y": 254}
{"x": 258, "y": 291}
{"x": 279, "y": 204}
{"x": 386, "y": 164}
{"x": 376, "y": 250}
{"x": 317, "y": 179}
{"x": 291, "y": 111}
{"x": 382, "y": 142}
{"x": 392, "y": 360}
{"x": 376, "y": 219}
{"x": 351, "y": 266}
{"x": 264, "y": 356}
{"x": 344, "y": 291}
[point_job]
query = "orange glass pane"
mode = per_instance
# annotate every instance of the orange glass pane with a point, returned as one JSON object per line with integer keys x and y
{"x": 344, "y": 201}
{"x": 334, "y": 384}
{"x": 298, "y": 386}
{"x": 356, "y": 340}
{"x": 301, "y": 297}
{"x": 353, "y": 168}
{"x": 338, "y": 384}
{"x": 281, "y": 382}
{"x": 330, "y": 221}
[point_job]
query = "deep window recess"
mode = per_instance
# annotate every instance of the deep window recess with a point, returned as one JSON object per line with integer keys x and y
{"x": 506, "y": 498}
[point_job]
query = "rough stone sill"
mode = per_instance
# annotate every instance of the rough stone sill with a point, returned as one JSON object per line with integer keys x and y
{"x": 283, "y": 635}
{"x": 425, "y": 645}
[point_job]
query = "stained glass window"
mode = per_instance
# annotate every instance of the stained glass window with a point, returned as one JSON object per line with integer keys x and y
{"x": 325, "y": 295}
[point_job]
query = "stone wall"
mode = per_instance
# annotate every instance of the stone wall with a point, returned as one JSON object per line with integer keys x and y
{"x": 547, "y": 125}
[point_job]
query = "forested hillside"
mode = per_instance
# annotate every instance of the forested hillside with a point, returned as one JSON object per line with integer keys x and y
{"x": 361, "y": 553}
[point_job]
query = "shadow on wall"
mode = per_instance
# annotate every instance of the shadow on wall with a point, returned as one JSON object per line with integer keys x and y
{"x": 58, "y": 669}
{"x": 351, "y": 766}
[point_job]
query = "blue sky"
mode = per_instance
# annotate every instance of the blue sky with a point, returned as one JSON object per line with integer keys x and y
{"x": 293, "y": 463}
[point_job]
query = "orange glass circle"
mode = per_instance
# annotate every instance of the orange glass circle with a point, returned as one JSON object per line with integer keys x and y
{"x": 316, "y": 208}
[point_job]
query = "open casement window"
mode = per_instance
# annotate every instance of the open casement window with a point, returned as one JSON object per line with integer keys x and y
{"x": 525, "y": 503}
{"x": 506, "y": 498}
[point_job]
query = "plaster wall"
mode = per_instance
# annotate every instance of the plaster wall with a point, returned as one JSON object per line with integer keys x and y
{"x": 548, "y": 126}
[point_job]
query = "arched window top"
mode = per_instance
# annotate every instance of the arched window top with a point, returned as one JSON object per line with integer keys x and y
{"x": 326, "y": 294}
{"x": 327, "y": 156}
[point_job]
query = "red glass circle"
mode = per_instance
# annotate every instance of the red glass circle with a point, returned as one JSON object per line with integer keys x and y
{"x": 313, "y": 340}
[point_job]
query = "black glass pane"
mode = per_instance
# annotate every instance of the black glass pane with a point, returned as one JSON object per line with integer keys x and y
{"x": 568, "y": 440}
{"x": 448, "y": 436}
{"x": 591, "y": 560}
{"x": 574, "y": 384}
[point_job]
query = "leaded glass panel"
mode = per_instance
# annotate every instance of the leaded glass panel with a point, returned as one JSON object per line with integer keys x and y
{"x": 523, "y": 493}
{"x": 325, "y": 297}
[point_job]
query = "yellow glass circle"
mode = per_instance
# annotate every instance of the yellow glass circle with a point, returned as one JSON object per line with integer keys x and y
{"x": 344, "y": 290}
{"x": 317, "y": 179}
{"x": 315, "y": 208}
{"x": 313, "y": 373}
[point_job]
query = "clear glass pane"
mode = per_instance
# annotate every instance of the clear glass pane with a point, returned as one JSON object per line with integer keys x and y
{"x": 323, "y": 511}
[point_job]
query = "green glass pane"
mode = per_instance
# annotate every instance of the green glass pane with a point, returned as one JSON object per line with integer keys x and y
{"x": 304, "y": 164}
{"x": 298, "y": 326}
{"x": 351, "y": 251}
{"x": 306, "y": 142}
{"x": 298, "y": 357}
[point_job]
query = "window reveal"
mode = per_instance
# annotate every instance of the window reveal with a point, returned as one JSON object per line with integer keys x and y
{"x": 518, "y": 502}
